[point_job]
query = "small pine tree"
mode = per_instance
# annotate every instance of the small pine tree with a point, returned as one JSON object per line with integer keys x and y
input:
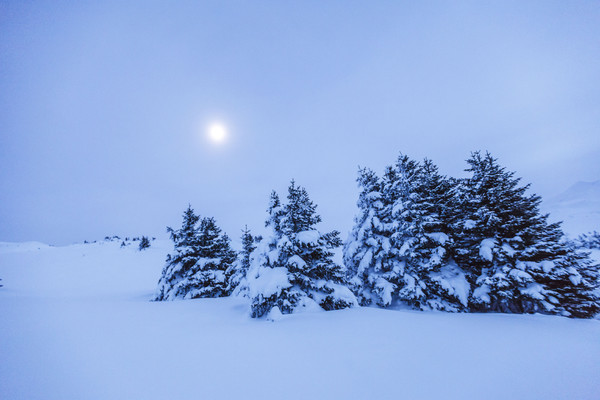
{"x": 238, "y": 270}
{"x": 144, "y": 243}
{"x": 293, "y": 268}
{"x": 198, "y": 265}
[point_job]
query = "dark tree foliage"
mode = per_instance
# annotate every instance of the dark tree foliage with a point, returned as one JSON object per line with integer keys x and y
{"x": 238, "y": 270}
{"x": 144, "y": 243}
{"x": 516, "y": 261}
{"x": 398, "y": 249}
{"x": 198, "y": 265}
{"x": 294, "y": 268}
{"x": 473, "y": 244}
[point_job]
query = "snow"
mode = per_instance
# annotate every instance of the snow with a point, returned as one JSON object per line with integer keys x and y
{"x": 365, "y": 261}
{"x": 486, "y": 249}
{"x": 482, "y": 293}
{"x": 520, "y": 275}
{"x": 453, "y": 280}
{"x": 385, "y": 290}
{"x": 268, "y": 281}
{"x": 20, "y": 247}
{"x": 508, "y": 249}
{"x": 578, "y": 208}
{"x": 534, "y": 290}
{"x": 469, "y": 224}
{"x": 77, "y": 323}
{"x": 308, "y": 237}
{"x": 274, "y": 315}
{"x": 438, "y": 237}
{"x": 547, "y": 266}
{"x": 574, "y": 276}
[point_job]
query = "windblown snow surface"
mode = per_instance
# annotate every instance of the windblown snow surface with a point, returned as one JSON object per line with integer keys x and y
{"x": 578, "y": 208}
{"x": 76, "y": 322}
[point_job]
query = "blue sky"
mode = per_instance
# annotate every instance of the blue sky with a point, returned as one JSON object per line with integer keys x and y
{"x": 103, "y": 105}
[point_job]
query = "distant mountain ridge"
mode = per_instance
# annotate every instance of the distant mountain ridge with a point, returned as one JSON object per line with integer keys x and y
{"x": 578, "y": 207}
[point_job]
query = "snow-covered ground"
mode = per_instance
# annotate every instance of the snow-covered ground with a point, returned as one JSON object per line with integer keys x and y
{"x": 76, "y": 323}
{"x": 578, "y": 208}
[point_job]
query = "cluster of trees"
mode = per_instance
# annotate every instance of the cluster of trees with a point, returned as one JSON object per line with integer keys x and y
{"x": 478, "y": 244}
{"x": 473, "y": 244}
{"x": 289, "y": 270}
{"x": 144, "y": 241}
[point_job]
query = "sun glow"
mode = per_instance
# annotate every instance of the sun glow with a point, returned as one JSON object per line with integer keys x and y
{"x": 217, "y": 132}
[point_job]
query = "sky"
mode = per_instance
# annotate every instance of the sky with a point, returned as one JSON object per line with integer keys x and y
{"x": 104, "y": 105}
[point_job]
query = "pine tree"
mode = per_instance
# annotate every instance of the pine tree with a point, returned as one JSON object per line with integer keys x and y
{"x": 144, "y": 243}
{"x": 440, "y": 283}
{"x": 398, "y": 249}
{"x": 366, "y": 246}
{"x": 198, "y": 265}
{"x": 515, "y": 260}
{"x": 292, "y": 269}
{"x": 237, "y": 273}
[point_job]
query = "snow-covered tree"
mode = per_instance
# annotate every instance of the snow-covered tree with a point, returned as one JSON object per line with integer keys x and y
{"x": 397, "y": 250}
{"x": 238, "y": 270}
{"x": 292, "y": 268}
{"x": 368, "y": 244}
{"x": 515, "y": 260}
{"x": 144, "y": 243}
{"x": 590, "y": 240}
{"x": 198, "y": 265}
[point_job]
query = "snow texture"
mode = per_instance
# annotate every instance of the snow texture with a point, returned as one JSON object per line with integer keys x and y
{"x": 486, "y": 249}
{"x": 77, "y": 323}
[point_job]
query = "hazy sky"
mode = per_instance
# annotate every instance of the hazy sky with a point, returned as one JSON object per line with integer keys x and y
{"x": 103, "y": 105}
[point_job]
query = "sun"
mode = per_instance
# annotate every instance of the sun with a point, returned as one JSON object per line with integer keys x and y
{"x": 217, "y": 132}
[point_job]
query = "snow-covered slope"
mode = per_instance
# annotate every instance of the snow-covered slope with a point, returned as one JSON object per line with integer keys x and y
{"x": 76, "y": 323}
{"x": 578, "y": 207}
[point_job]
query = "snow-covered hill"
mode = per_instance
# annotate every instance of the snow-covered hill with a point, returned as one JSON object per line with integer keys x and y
{"x": 76, "y": 323}
{"x": 578, "y": 207}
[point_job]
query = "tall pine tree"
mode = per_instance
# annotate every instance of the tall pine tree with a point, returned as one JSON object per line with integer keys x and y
{"x": 238, "y": 270}
{"x": 515, "y": 260}
{"x": 398, "y": 249}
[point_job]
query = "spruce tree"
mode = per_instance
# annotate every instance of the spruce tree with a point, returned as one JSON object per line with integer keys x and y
{"x": 292, "y": 269}
{"x": 198, "y": 265}
{"x": 515, "y": 260}
{"x": 364, "y": 251}
{"x": 398, "y": 249}
{"x": 442, "y": 285}
{"x": 238, "y": 270}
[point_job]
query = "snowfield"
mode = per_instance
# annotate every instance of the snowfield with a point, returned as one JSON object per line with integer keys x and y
{"x": 77, "y": 323}
{"x": 578, "y": 208}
